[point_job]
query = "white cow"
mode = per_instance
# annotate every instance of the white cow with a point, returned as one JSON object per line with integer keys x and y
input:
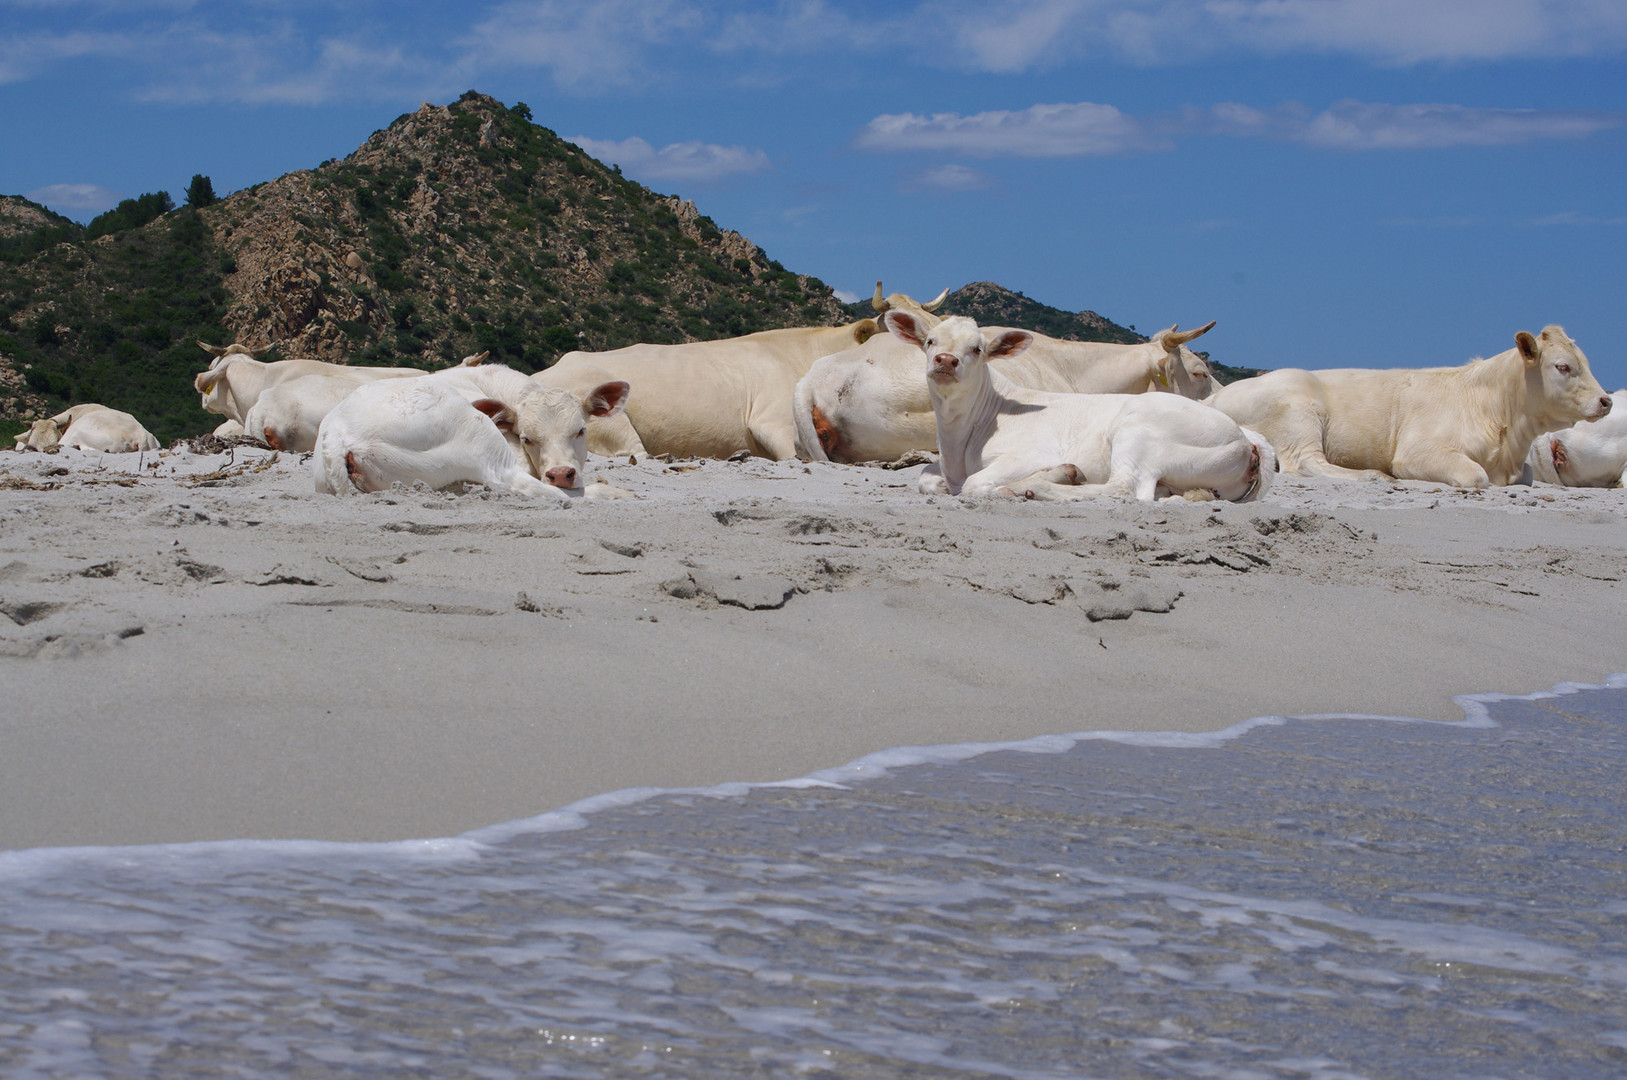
{"x": 870, "y": 402}
{"x": 42, "y": 435}
{"x": 286, "y": 416}
{"x": 1468, "y": 426}
{"x": 713, "y": 398}
{"x": 485, "y": 425}
{"x": 994, "y": 435}
{"x": 97, "y": 427}
{"x": 1586, "y": 454}
{"x": 235, "y": 380}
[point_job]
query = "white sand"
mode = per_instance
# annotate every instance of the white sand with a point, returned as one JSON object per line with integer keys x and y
{"x": 241, "y": 657}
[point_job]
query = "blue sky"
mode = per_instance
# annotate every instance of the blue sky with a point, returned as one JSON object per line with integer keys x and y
{"x": 1378, "y": 183}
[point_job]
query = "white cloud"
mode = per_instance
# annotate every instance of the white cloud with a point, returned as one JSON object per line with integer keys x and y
{"x": 846, "y": 297}
{"x": 1073, "y": 130}
{"x": 1088, "y": 129}
{"x": 75, "y": 199}
{"x": 693, "y": 161}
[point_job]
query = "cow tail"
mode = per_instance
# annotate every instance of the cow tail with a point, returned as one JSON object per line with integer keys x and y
{"x": 333, "y": 465}
{"x": 1268, "y": 465}
{"x": 808, "y": 446}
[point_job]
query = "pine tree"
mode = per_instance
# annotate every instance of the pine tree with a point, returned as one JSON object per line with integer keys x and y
{"x": 200, "y": 192}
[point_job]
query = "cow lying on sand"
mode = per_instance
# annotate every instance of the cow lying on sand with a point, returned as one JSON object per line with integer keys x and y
{"x": 287, "y": 415}
{"x": 97, "y": 427}
{"x": 1587, "y": 454}
{"x": 1468, "y": 426}
{"x": 235, "y": 379}
{"x": 994, "y": 435}
{"x": 712, "y": 398}
{"x": 483, "y": 425}
{"x": 870, "y": 402}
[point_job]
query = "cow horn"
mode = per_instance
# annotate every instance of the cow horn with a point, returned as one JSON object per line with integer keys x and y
{"x": 212, "y": 350}
{"x": 934, "y": 305}
{"x": 880, "y": 301}
{"x": 1174, "y": 340}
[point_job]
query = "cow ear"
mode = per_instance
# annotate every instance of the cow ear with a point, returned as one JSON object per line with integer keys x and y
{"x": 500, "y": 414}
{"x": 1009, "y": 343}
{"x": 864, "y": 330}
{"x": 607, "y": 399}
{"x": 906, "y": 327}
{"x": 1528, "y": 347}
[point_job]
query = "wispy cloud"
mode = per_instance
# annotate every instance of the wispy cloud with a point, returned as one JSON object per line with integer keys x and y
{"x": 1084, "y": 128}
{"x": 948, "y": 178}
{"x": 693, "y": 161}
{"x": 23, "y": 56}
{"x": 583, "y": 44}
{"x": 75, "y": 199}
{"x": 1570, "y": 218}
{"x": 1088, "y": 129}
{"x": 1020, "y": 35}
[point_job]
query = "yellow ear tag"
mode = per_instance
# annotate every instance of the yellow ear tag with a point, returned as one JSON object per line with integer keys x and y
{"x": 1162, "y": 380}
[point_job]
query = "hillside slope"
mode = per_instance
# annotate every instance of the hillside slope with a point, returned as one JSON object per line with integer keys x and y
{"x": 457, "y": 229}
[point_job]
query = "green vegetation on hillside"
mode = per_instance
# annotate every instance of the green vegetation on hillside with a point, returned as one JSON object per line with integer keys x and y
{"x": 122, "y": 321}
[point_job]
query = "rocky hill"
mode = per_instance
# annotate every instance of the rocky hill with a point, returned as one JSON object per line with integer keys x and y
{"x": 458, "y": 229}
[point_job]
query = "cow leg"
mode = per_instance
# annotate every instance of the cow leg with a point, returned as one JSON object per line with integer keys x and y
{"x": 1315, "y": 463}
{"x": 1442, "y": 466}
{"x": 774, "y": 438}
{"x": 614, "y": 436}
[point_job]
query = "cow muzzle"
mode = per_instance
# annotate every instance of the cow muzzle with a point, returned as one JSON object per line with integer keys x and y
{"x": 1605, "y": 404}
{"x": 562, "y": 476}
{"x": 945, "y": 368}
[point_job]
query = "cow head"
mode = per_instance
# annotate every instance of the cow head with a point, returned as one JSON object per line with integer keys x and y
{"x": 214, "y": 389}
{"x": 1558, "y": 381}
{"x": 899, "y": 302}
{"x": 956, "y": 348}
{"x": 551, "y": 424}
{"x": 42, "y": 435}
{"x": 1179, "y": 369}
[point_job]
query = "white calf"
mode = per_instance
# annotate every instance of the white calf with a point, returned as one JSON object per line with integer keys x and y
{"x": 994, "y": 435}
{"x": 1586, "y": 454}
{"x": 485, "y": 425}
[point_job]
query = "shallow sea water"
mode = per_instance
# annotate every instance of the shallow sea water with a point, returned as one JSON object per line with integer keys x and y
{"x": 1326, "y": 897}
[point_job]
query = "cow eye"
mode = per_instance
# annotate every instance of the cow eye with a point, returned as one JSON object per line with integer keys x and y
{"x": 525, "y": 439}
{"x": 1563, "y": 369}
{"x": 580, "y": 434}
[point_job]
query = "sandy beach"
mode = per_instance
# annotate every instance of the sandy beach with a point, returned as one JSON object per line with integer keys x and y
{"x": 207, "y": 649}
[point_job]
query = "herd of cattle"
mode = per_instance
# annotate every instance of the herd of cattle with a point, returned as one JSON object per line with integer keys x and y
{"x": 1008, "y": 410}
